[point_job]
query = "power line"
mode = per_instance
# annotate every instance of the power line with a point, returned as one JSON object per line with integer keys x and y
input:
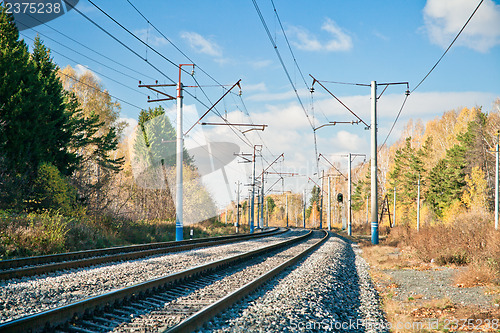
{"x": 85, "y": 46}
{"x": 449, "y": 47}
{"x": 395, "y": 120}
{"x": 120, "y": 42}
{"x": 172, "y": 43}
{"x": 281, "y": 60}
{"x": 103, "y": 75}
{"x": 430, "y": 71}
{"x": 269, "y": 35}
{"x": 133, "y": 35}
{"x": 99, "y": 90}
{"x": 81, "y": 54}
{"x": 157, "y": 52}
{"x": 288, "y": 43}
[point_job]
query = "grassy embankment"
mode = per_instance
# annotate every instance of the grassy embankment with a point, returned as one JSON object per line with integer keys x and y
{"x": 470, "y": 244}
{"x": 30, "y": 234}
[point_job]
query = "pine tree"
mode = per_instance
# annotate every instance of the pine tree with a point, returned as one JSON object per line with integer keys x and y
{"x": 156, "y": 140}
{"x": 19, "y": 100}
{"x": 54, "y": 132}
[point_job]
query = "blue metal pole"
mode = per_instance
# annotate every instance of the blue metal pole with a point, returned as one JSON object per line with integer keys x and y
{"x": 374, "y": 196}
{"x": 178, "y": 196}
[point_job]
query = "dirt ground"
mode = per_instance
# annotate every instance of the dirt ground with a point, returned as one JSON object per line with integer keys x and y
{"x": 424, "y": 297}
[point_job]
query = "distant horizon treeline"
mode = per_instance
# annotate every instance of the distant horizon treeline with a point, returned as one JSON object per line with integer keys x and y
{"x": 452, "y": 155}
{"x": 453, "y": 158}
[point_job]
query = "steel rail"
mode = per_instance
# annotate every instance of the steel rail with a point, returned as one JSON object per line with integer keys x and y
{"x": 197, "y": 320}
{"x": 93, "y": 257}
{"x": 51, "y": 319}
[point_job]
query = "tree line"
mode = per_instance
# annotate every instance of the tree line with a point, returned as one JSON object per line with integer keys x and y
{"x": 452, "y": 157}
{"x": 50, "y": 141}
{"x": 62, "y": 146}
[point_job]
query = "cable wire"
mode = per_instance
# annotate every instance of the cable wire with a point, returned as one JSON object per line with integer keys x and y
{"x": 172, "y": 43}
{"x": 449, "y": 47}
{"x": 289, "y": 47}
{"x": 99, "y": 90}
{"x": 88, "y": 48}
{"x": 433, "y": 67}
{"x": 281, "y": 60}
{"x": 92, "y": 70}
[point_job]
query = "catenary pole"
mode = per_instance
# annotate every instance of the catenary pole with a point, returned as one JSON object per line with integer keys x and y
{"x": 497, "y": 153}
{"x": 394, "y": 207}
{"x": 349, "y": 212}
{"x": 252, "y": 202}
{"x": 262, "y": 196}
{"x": 238, "y": 208}
{"x": 321, "y": 199}
{"x": 329, "y": 205}
{"x": 267, "y": 214}
{"x": 179, "y": 163}
{"x": 374, "y": 196}
{"x": 418, "y": 204}
{"x": 286, "y": 207}
{"x": 304, "y": 210}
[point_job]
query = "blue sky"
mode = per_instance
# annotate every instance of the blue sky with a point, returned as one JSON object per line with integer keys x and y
{"x": 347, "y": 41}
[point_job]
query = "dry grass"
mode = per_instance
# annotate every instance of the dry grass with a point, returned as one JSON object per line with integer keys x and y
{"x": 470, "y": 240}
{"x": 416, "y": 310}
{"x": 386, "y": 257}
{"x": 477, "y": 274}
{"x": 29, "y": 234}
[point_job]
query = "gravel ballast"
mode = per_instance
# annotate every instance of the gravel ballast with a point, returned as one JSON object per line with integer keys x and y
{"x": 436, "y": 284}
{"x": 30, "y": 295}
{"x": 228, "y": 281}
{"x": 331, "y": 290}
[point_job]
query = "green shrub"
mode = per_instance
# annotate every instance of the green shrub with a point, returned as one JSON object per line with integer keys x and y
{"x": 52, "y": 191}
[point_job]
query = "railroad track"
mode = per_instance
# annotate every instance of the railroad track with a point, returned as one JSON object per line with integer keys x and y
{"x": 179, "y": 302}
{"x": 29, "y": 266}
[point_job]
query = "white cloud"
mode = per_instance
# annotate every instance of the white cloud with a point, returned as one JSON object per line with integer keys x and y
{"x": 259, "y": 64}
{"x": 129, "y": 129}
{"x": 280, "y": 96}
{"x": 254, "y": 87}
{"x": 348, "y": 141}
{"x": 82, "y": 69}
{"x": 444, "y": 19}
{"x": 201, "y": 44}
{"x": 307, "y": 41}
{"x": 380, "y": 35}
{"x": 150, "y": 38}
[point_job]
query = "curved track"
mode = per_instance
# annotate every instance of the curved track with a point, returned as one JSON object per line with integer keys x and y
{"x": 185, "y": 299}
{"x": 17, "y": 268}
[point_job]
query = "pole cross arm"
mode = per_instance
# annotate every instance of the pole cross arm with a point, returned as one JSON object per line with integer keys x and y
{"x": 317, "y": 184}
{"x": 210, "y": 109}
{"x": 257, "y": 127}
{"x": 153, "y": 88}
{"x": 321, "y": 155}
{"x": 333, "y": 123}
{"x": 267, "y": 168}
{"x": 355, "y": 115}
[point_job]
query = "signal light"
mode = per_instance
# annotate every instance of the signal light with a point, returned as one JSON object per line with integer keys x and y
{"x": 340, "y": 197}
